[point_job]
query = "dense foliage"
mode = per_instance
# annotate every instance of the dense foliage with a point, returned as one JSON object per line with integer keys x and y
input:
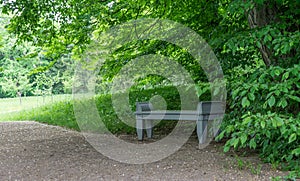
{"x": 257, "y": 43}
{"x": 26, "y": 69}
{"x": 264, "y": 113}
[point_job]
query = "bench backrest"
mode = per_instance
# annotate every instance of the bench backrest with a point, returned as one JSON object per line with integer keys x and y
{"x": 211, "y": 107}
{"x": 144, "y": 106}
{"x": 206, "y": 107}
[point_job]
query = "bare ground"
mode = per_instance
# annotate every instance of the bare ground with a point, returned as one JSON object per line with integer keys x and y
{"x": 34, "y": 151}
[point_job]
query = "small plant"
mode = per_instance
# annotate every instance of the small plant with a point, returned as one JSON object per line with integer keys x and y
{"x": 248, "y": 165}
{"x": 255, "y": 170}
{"x": 240, "y": 162}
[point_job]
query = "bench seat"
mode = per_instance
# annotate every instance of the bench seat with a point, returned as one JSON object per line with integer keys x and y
{"x": 206, "y": 111}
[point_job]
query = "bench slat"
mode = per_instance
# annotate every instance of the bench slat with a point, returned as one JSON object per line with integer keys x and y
{"x": 176, "y": 115}
{"x": 145, "y": 114}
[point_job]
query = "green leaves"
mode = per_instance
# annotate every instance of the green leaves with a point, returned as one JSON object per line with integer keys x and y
{"x": 252, "y": 143}
{"x": 243, "y": 139}
{"x": 272, "y": 88}
{"x": 251, "y": 96}
{"x": 296, "y": 98}
{"x": 283, "y": 103}
{"x": 292, "y": 137}
{"x": 296, "y": 151}
{"x": 235, "y": 142}
{"x": 263, "y": 124}
{"x": 277, "y": 122}
{"x": 276, "y": 136}
{"x": 245, "y": 102}
{"x": 285, "y": 76}
{"x": 226, "y": 148}
{"x": 271, "y": 101}
{"x": 264, "y": 112}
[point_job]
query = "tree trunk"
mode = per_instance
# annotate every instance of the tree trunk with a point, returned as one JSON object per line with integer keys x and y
{"x": 258, "y": 17}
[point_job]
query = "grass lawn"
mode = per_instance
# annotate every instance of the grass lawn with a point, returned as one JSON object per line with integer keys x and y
{"x": 10, "y": 106}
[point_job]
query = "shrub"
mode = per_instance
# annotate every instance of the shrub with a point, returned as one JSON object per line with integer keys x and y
{"x": 264, "y": 114}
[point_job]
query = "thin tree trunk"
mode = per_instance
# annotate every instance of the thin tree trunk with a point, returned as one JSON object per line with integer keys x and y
{"x": 261, "y": 16}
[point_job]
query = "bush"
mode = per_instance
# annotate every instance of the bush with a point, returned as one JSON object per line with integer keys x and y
{"x": 264, "y": 114}
{"x": 115, "y": 125}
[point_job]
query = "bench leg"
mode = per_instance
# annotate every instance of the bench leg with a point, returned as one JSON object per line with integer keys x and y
{"x": 217, "y": 131}
{"x": 139, "y": 128}
{"x": 149, "y": 126}
{"x": 202, "y": 131}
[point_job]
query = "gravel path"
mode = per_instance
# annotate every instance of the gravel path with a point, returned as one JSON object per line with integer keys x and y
{"x": 34, "y": 151}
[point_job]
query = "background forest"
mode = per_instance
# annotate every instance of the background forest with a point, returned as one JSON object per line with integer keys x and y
{"x": 256, "y": 42}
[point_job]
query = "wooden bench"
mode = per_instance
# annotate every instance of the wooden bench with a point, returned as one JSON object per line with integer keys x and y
{"x": 206, "y": 111}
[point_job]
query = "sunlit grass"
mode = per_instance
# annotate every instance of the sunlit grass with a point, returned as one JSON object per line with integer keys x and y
{"x": 12, "y": 106}
{"x": 60, "y": 110}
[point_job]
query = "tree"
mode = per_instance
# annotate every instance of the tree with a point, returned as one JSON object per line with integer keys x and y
{"x": 244, "y": 27}
{"x": 14, "y": 78}
{"x": 21, "y": 64}
{"x": 15, "y": 83}
{"x": 274, "y": 25}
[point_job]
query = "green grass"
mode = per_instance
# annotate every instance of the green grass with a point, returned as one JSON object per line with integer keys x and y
{"x": 61, "y": 113}
{"x": 58, "y": 113}
{"x": 13, "y": 106}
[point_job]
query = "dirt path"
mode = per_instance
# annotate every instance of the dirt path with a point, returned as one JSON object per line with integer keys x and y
{"x": 34, "y": 151}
